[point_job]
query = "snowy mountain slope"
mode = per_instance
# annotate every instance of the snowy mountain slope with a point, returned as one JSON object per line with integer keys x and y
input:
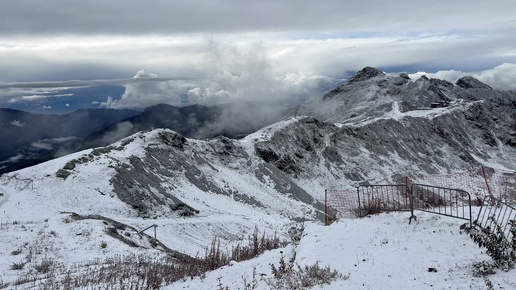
{"x": 151, "y": 178}
{"x": 197, "y": 190}
{"x": 93, "y": 204}
{"x": 371, "y": 93}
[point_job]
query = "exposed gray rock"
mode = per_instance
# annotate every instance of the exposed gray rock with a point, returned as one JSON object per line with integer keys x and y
{"x": 63, "y": 173}
{"x": 469, "y": 82}
{"x": 365, "y": 74}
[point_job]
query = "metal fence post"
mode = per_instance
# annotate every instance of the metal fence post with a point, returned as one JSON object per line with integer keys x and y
{"x": 411, "y": 201}
{"x": 359, "y": 206}
{"x": 326, "y": 207}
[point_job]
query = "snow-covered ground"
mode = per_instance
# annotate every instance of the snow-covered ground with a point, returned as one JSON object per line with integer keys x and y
{"x": 377, "y": 252}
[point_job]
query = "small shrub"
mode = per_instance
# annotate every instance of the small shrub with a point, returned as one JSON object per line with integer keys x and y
{"x": 17, "y": 266}
{"x": 103, "y": 244}
{"x": 478, "y": 201}
{"x": 483, "y": 268}
{"x": 373, "y": 206}
{"x": 286, "y": 276}
{"x": 255, "y": 246}
{"x": 497, "y": 247}
{"x": 45, "y": 266}
{"x": 4, "y": 285}
{"x": 16, "y": 252}
{"x": 296, "y": 232}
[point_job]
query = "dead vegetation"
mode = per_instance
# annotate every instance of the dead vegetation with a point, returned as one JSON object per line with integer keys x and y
{"x": 139, "y": 271}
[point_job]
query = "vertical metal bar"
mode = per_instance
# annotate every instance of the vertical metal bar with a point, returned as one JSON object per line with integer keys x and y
{"x": 411, "y": 201}
{"x": 326, "y": 206}
{"x": 487, "y": 183}
{"x": 380, "y": 196}
{"x": 503, "y": 219}
{"x": 359, "y": 205}
{"x": 406, "y": 192}
{"x": 482, "y": 211}
{"x": 470, "y": 216}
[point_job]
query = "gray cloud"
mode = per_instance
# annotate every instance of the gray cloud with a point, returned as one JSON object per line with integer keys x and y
{"x": 229, "y": 16}
{"x": 501, "y": 77}
{"x": 230, "y": 73}
{"x": 226, "y": 50}
{"x": 122, "y": 130}
{"x": 13, "y": 159}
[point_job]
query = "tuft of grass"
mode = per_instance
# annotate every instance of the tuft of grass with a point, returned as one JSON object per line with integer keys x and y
{"x": 44, "y": 266}
{"x": 17, "y": 266}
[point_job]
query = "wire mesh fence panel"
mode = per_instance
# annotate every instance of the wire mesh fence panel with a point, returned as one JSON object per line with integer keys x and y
{"x": 447, "y": 194}
{"x": 381, "y": 198}
{"x": 340, "y": 204}
{"x": 441, "y": 200}
{"x": 496, "y": 215}
{"x": 471, "y": 181}
{"x": 501, "y": 184}
{"x": 479, "y": 182}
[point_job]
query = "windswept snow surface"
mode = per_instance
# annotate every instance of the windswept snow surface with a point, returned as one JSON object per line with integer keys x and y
{"x": 377, "y": 252}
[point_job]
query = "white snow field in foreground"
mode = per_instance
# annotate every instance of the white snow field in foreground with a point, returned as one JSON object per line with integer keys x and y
{"x": 377, "y": 252}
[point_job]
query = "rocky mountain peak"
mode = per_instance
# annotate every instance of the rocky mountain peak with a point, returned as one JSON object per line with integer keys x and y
{"x": 365, "y": 74}
{"x": 469, "y": 82}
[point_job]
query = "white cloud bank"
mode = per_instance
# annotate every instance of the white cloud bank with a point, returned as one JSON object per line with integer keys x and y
{"x": 228, "y": 73}
{"x": 502, "y": 77}
{"x": 249, "y": 75}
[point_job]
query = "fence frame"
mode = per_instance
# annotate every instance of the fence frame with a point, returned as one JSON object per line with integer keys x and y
{"x": 400, "y": 197}
{"x": 385, "y": 194}
{"x": 496, "y": 206}
{"x": 442, "y": 207}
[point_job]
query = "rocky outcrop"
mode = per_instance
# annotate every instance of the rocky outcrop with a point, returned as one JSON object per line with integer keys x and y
{"x": 371, "y": 93}
{"x": 469, "y": 82}
{"x": 366, "y": 74}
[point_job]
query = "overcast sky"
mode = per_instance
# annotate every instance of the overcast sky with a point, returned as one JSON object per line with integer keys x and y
{"x": 221, "y": 50}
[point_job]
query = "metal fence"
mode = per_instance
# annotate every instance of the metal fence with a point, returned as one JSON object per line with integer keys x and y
{"x": 496, "y": 213}
{"x": 441, "y": 200}
{"x": 339, "y": 204}
{"x": 374, "y": 199}
{"x": 380, "y": 198}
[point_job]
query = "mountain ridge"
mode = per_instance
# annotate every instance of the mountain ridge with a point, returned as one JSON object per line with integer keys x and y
{"x": 192, "y": 191}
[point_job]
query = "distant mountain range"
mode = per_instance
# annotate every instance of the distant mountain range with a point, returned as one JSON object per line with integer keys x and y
{"x": 27, "y": 139}
{"x": 366, "y": 98}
